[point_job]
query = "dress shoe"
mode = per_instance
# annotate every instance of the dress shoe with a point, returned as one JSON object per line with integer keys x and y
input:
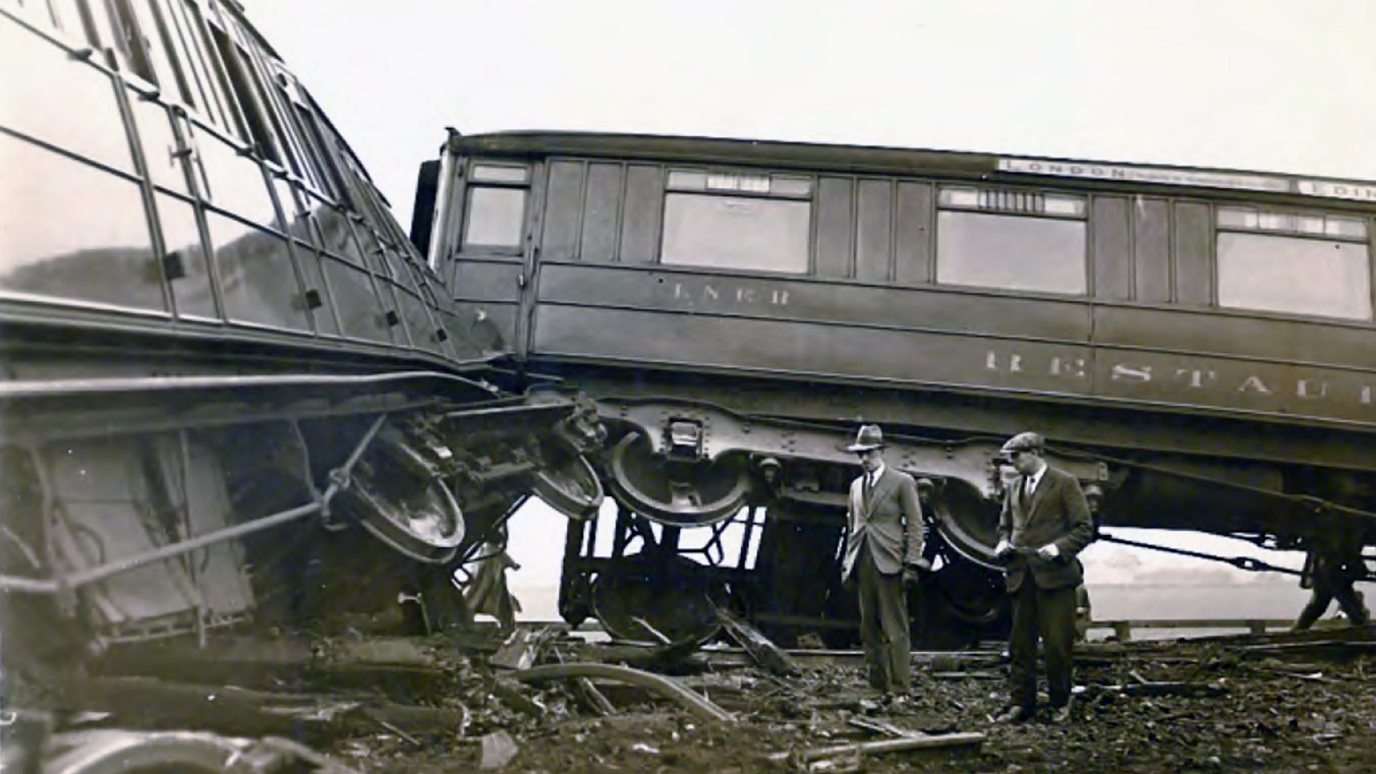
{"x": 897, "y": 701}
{"x": 1061, "y": 715}
{"x": 1015, "y": 715}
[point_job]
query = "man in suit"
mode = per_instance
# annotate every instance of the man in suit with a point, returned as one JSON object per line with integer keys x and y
{"x": 1044, "y": 524}
{"x": 883, "y": 554}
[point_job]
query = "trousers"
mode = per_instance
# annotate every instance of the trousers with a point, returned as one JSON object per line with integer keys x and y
{"x": 1050, "y": 615}
{"x": 1323, "y": 595}
{"x": 884, "y": 626}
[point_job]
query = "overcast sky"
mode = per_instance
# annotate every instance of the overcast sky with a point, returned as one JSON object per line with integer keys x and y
{"x": 1271, "y": 85}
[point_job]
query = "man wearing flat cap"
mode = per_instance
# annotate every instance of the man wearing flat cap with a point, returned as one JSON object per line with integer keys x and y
{"x": 883, "y": 553}
{"x": 1044, "y": 524}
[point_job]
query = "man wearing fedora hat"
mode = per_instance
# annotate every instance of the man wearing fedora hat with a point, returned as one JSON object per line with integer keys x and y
{"x": 883, "y": 553}
{"x": 1044, "y": 524}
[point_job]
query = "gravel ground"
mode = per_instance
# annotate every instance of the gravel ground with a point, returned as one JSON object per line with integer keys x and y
{"x": 1236, "y": 704}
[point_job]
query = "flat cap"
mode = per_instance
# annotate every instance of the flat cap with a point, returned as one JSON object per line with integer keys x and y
{"x": 1023, "y": 442}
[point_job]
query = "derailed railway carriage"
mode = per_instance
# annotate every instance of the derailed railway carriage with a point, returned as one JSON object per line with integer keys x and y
{"x": 1197, "y": 345}
{"x": 235, "y": 398}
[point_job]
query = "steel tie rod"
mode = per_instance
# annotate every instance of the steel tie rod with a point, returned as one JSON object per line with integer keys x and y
{"x": 1241, "y": 562}
{"x": 339, "y": 480}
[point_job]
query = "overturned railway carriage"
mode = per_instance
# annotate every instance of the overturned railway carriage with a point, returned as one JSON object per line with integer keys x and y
{"x": 1197, "y": 345}
{"x": 235, "y": 398}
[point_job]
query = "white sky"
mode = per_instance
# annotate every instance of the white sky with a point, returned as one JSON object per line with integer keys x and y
{"x": 1271, "y": 85}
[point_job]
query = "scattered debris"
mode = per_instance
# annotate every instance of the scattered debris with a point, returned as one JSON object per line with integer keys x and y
{"x": 438, "y": 704}
{"x": 515, "y": 696}
{"x": 390, "y": 727}
{"x": 498, "y": 750}
{"x": 519, "y": 650}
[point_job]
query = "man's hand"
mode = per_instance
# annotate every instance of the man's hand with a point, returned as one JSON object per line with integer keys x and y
{"x": 1003, "y": 549}
{"x": 912, "y": 573}
{"x": 1049, "y": 551}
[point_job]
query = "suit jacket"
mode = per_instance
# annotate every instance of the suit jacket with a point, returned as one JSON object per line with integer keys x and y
{"x": 889, "y": 521}
{"x": 1057, "y": 513}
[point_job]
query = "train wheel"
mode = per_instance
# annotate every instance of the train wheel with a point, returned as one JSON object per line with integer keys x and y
{"x": 568, "y": 484}
{"x": 657, "y": 597}
{"x": 396, "y": 498}
{"x": 674, "y": 493}
{"x": 968, "y": 524}
{"x": 972, "y": 593}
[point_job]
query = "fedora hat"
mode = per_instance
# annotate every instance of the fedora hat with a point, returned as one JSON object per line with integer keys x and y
{"x": 869, "y": 437}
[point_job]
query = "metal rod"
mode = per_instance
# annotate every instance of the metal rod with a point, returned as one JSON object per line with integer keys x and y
{"x": 339, "y": 477}
{"x": 53, "y": 387}
{"x": 1241, "y": 562}
{"x": 338, "y": 482}
{"x": 166, "y": 552}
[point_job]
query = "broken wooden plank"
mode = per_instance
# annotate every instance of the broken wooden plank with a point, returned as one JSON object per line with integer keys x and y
{"x": 882, "y": 728}
{"x": 658, "y": 684}
{"x": 517, "y": 652}
{"x": 1184, "y": 689}
{"x": 1313, "y": 677}
{"x": 596, "y": 701}
{"x": 1336, "y": 647}
{"x": 765, "y": 653}
{"x": 901, "y": 744}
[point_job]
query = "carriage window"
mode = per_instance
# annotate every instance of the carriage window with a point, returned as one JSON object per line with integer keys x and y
{"x": 147, "y": 40}
{"x": 1011, "y": 239}
{"x": 74, "y": 231}
{"x": 297, "y": 112}
{"x": 740, "y": 220}
{"x": 37, "y": 104}
{"x": 499, "y": 173}
{"x": 135, "y": 43}
{"x": 242, "y": 82}
{"x": 184, "y": 20}
{"x": 736, "y": 232}
{"x": 496, "y": 217}
{"x": 1307, "y": 264}
{"x": 743, "y": 182}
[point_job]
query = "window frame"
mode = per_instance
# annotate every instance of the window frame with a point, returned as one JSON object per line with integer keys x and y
{"x": 1018, "y": 203}
{"x": 729, "y": 182}
{"x": 473, "y": 181}
{"x": 1293, "y": 232}
{"x": 808, "y": 225}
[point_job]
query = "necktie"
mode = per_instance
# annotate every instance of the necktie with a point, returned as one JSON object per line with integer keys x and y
{"x": 1027, "y": 488}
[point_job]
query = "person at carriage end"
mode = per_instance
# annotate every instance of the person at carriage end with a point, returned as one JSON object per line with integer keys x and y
{"x": 1331, "y": 568}
{"x": 883, "y": 555}
{"x": 1044, "y": 524}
